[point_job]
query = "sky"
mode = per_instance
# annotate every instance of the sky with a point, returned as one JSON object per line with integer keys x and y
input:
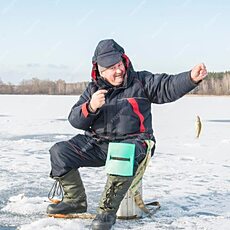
{"x": 55, "y": 39}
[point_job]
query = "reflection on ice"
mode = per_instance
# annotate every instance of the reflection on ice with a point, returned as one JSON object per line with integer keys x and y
{"x": 48, "y": 137}
{"x": 219, "y": 120}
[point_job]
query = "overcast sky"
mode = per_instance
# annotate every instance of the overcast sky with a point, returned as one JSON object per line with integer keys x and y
{"x": 52, "y": 39}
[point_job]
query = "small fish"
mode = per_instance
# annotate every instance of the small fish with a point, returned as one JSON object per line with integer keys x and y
{"x": 198, "y": 126}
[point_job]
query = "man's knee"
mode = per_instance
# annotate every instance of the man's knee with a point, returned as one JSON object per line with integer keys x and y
{"x": 60, "y": 162}
{"x": 57, "y": 150}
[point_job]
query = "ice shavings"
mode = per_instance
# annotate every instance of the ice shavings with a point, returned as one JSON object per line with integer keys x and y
{"x": 20, "y": 204}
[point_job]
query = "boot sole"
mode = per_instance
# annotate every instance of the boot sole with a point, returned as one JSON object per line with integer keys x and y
{"x": 74, "y": 215}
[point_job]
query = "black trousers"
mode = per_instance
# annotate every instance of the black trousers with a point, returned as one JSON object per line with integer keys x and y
{"x": 84, "y": 151}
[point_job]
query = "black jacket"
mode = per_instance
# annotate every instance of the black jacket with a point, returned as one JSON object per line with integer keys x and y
{"x": 127, "y": 111}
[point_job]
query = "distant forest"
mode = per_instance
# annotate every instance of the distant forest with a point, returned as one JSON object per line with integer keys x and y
{"x": 36, "y": 86}
{"x": 214, "y": 84}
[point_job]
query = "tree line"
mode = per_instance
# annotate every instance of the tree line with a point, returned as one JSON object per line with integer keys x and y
{"x": 36, "y": 86}
{"x": 216, "y": 83}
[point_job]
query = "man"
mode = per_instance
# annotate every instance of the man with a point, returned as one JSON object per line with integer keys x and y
{"x": 115, "y": 107}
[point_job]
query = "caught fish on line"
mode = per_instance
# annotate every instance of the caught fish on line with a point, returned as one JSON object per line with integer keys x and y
{"x": 198, "y": 126}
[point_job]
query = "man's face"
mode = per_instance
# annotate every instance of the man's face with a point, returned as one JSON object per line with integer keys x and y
{"x": 114, "y": 74}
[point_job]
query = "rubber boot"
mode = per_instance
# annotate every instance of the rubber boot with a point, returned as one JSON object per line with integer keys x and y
{"x": 114, "y": 192}
{"x": 74, "y": 195}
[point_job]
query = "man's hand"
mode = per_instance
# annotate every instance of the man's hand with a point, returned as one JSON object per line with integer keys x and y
{"x": 97, "y": 100}
{"x": 198, "y": 73}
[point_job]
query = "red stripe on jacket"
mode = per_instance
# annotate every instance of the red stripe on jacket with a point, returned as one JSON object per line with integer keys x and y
{"x": 84, "y": 109}
{"x": 136, "y": 110}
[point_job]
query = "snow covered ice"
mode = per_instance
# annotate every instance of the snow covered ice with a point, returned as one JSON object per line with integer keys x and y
{"x": 190, "y": 177}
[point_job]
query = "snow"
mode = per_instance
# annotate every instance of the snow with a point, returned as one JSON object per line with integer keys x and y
{"x": 190, "y": 177}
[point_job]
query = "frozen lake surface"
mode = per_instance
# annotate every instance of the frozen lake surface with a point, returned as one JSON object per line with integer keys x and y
{"x": 190, "y": 177}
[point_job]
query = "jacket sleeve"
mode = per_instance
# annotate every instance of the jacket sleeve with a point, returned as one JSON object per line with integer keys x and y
{"x": 163, "y": 88}
{"x": 79, "y": 116}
